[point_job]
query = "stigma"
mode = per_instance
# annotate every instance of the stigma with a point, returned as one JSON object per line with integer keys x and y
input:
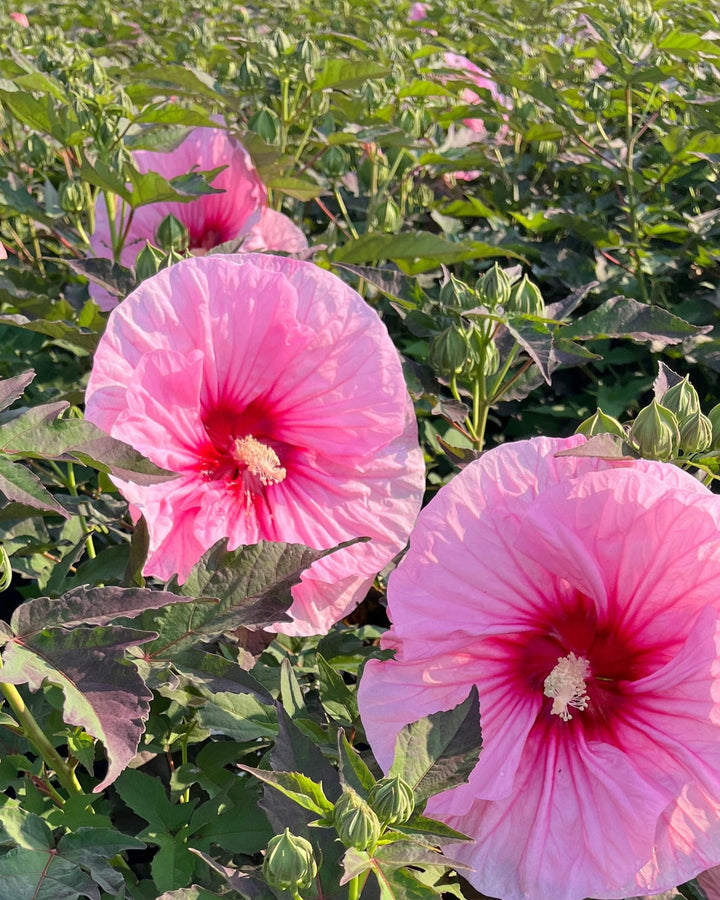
{"x": 566, "y": 685}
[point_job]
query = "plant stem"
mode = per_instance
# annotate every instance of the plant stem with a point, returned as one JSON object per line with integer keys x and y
{"x": 36, "y": 736}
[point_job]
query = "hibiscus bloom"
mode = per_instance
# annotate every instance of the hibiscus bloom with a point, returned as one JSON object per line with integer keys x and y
{"x": 240, "y": 211}
{"x": 20, "y": 18}
{"x": 277, "y": 394}
{"x": 582, "y": 597}
{"x": 474, "y": 130}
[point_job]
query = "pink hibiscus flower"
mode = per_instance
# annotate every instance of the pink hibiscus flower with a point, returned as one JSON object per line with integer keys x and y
{"x": 20, "y": 18}
{"x": 582, "y": 598}
{"x": 417, "y": 12}
{"x": 212, "y": 219}
{"x": 474, "y": 129}
{"x": 277, "y": 394}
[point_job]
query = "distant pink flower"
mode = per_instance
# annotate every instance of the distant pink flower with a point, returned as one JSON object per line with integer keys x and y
{"x": 582, "y": 598}
{"x": 278, "y": 395}
{"x": 20, "y": 18}
{"x": 474, "y": 127}
{"x": 418, "y": 11}
{"x": 3, "y": 251}
{"x": 212, "y": 219}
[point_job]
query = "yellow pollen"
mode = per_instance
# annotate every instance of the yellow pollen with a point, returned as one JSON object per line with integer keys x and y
{"x": 566, "y": 685}
{"x": 259, "y": 460}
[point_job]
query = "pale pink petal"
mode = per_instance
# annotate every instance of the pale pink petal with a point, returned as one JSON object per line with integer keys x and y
{"x": 273, "y": 231}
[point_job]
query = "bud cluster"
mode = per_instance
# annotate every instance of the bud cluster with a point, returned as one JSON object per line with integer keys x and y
{"x": 673, "y": 427}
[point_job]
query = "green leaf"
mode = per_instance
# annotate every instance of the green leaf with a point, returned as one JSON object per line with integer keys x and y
{"x": 421, "y": 246}
{"x": 241, "y": 717}
{"x": 623, "y": 317}
{"x": 353, "y": 771}
{"x": 24, "y": 829}
{"x": 342, "y": 73}
{"x": 441, "y": 750}
{"x": 299, "y": 188}
{"x": 12, "y": 389}
{"x": 338, "y": 701}
{"x": 298, "y": 787}
{"x": 111, "y": 276}
{"x": 100, "y": 694}
{"x": 42, "y": 876}
{"x": 20, "y": 485}
{"x": 291, "y": 695}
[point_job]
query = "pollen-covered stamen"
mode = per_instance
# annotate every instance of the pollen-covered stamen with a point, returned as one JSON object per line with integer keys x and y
{"x": 259, "y": 464}
{"x": 566, "y": 685}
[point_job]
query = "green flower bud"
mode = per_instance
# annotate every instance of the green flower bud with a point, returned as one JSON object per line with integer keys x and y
{"x": 37, "y": 152}
{"x": 696, "y": 433}
{"x": 283, "y": 44}
{"x": 95, "y": 74}
{"x": 655, "y": 432}
{"x": 171, "y": 234}
{"x": 392, "y": 799}
{"x": 334, "y": 162}
{"x": 681, "y": 399}
{"x": 265, "y": 123}
{"x": 422, "y": 196}
{"x": 494, "y": 287}
{"x": 597, "y": 99}
{"x": 714, "y": 419}
{"x": 71, "y": 197}
{"x": 355, "y": 822}
{"x": 448, "y": 352}
{"x": 600, "y": 423}
{"x": 225, "y": 69}
{"x": 387, "y": 217}
{"x": 526, "y": 298}
{"x": 249, "y": 75}
{"x": 456, "y": 294}
{"x": 491, "y": 359}
{"x": 148, "y": 262}
{"x": 308, "y": 53}
{"x": 289, "y": 863}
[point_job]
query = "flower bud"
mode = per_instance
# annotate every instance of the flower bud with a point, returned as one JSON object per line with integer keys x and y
{"x": 392, "y": 799}
{"x": 334, "y": 162}
{"x": 696, "y": 433}
{"x": 283, "y": 44}
{"x": 265, "y": 123}
{"x": 355, "y": 822}
{"x": 526, "y": 299}
{"x": 71, "y": 197}
{"x": 308, "y": 53}
{"x": 600, "y": 423}
{"x": 289, "y": 863}
{"x": 249, "y": 75}
{"x": 148, "y": 262}
{"x": 171, "y": 234}
{"x": 655, "y": 432}
{"x": 681, "y": 399}
{"x": 494, "y": 287}
{"x": 36, "y": 151}
{"x": 456, "y": 294}
{"x": 714, "y": 419}
{"x": 387, "y": 217}
{"x": 448, "y": 352}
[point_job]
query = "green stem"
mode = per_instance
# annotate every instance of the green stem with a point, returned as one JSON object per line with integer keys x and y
{"x": 36, "y": 736}
{"x": 354, "y": 888}
{"x": 72, "y": 487}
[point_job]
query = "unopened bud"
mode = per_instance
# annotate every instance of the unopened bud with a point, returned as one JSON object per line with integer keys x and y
{"x": 600, "y": 423}
{"x": 71, "y": 197}
{"x": 392, "y": 799}
{"x": 334, "y": 162}
{"x": 289, "y": 863}
{"x": 526, "y": 299}
{"x": 681, "y": 399}
{"x": 148, "y": 262}
{"x": 696, "y": 433}
{"x": 655, "y": 432}
{"x": 283, "y": 44}
{"x": 448, "y": 352}
{"x": 714, "y": 419}
{"x": 456, "y": 294}
{"x": 494, "y": 287}
{"x": 355, "y": 822}
{"x": 265, "y": 123}
{"x": 249, "y": 75}
{"x": 171, "y": 234}
{"x": 36, "y": 151}
{"x": 387, "y": 217}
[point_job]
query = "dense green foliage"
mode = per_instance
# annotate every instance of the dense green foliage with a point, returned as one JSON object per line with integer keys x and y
{"x": 528, "y": 272}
